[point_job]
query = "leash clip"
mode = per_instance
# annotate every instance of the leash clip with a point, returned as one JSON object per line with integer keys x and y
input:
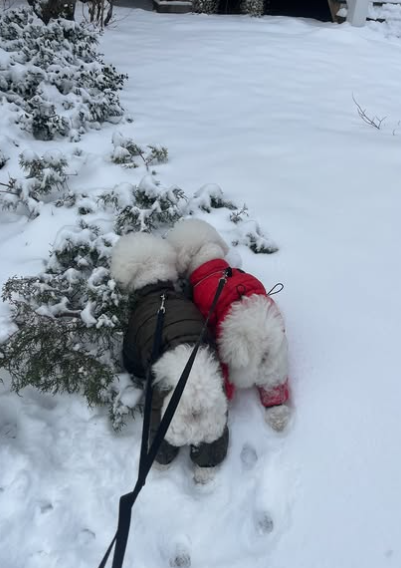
{"x": 228, "y": 272}
{"x": 162, "y": 308}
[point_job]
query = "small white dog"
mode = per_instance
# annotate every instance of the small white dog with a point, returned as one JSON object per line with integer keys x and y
{"x": 145, "y": 266}
{"x": 246, "y": 322}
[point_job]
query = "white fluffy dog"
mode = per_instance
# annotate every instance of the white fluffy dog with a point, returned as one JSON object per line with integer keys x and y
{"x": 247, "y": 323}
{"x": 146, "y": 267}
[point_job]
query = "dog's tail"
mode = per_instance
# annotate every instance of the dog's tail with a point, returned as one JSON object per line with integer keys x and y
{"x": 201, "y": 415}
{"x": 252, "y": 343}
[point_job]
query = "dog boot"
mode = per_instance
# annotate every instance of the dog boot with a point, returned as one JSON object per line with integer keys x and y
{"x": 274, "y": 399}
{"x": 278, "y": 417}
{"x": 165, "y": 456}
{"x": 208, "y": 455}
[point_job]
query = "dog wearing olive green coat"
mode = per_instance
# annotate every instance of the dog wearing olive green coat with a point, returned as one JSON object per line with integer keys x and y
{"x": 145, "y": 267}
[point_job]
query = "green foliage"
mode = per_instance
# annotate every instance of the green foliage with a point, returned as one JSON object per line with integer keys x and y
{"x": 54, "y": 349}
{"x": 70, "y": 320}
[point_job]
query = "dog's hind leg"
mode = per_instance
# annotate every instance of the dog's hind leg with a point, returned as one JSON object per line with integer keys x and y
{"x": 274, "y": 399}
{"x": 167, "y": 452}
{"x": 207, "y": 456}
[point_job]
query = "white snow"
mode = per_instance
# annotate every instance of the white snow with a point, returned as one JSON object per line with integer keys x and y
{"x": 263, "y": 108}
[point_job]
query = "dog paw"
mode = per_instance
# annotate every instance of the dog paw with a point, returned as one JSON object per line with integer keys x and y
{"x": 278, "y": 417}
{"x": 204, "y": 475}
{"x": 85, "y": 537}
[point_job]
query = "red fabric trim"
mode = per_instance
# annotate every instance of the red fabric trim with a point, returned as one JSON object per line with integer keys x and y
{"x": 274, "y": 396}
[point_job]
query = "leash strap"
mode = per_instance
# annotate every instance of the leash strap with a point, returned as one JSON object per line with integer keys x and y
{"x": 277, "y": 288}
{"x": 147, "y": 457}
{"x": 127, "y": 501}
{"x": 149, "y": 383}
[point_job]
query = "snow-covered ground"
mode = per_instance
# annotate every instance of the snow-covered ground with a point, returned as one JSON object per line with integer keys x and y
{"x": 263, "y": 107}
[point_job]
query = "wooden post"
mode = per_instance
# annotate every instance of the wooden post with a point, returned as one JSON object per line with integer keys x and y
{"x": 334, "y": 8}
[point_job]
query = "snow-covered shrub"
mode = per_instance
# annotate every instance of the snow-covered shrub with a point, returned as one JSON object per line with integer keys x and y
{"x": 148, "y": 207}
{"x": 126, "y": 151}
{"x": 252, "y": 7}
{"x": 210, "y": 197}
{"x": 53, "y": 78}
{"x": 70, "y": 318}
{"x": 250, "y": 235}
{"x": 205, "y": 6}
{"x": 45, "y": 178}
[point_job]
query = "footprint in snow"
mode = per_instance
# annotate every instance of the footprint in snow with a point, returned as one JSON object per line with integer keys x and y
{"x": 45, "y": 507}
{"x": 182, "y": 559}
{"x": 249, "y": 457}
{"x": 8, "y": 430}
{"x": 263, "y": 523}
{"x": 85, "y": 536}
{"x": 179, "y": 555}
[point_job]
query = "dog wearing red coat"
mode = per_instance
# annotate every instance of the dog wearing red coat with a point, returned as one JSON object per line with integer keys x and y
{"x": 247, "y": 324}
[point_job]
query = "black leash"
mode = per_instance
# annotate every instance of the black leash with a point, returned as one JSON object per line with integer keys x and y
{"x": 147, "y": 457}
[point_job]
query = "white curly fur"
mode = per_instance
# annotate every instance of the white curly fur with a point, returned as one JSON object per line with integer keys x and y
{"x": 139, "y": 259}
{"x": 195, "y": 242}
{"x": 253, "y": 343}
{"x": 201, "y": 414}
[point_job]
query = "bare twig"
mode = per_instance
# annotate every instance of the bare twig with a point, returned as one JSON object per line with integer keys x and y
{"x": 8, "y": 190}
{"x": 375, "y": 121}
{"x": 109, "y": 13}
